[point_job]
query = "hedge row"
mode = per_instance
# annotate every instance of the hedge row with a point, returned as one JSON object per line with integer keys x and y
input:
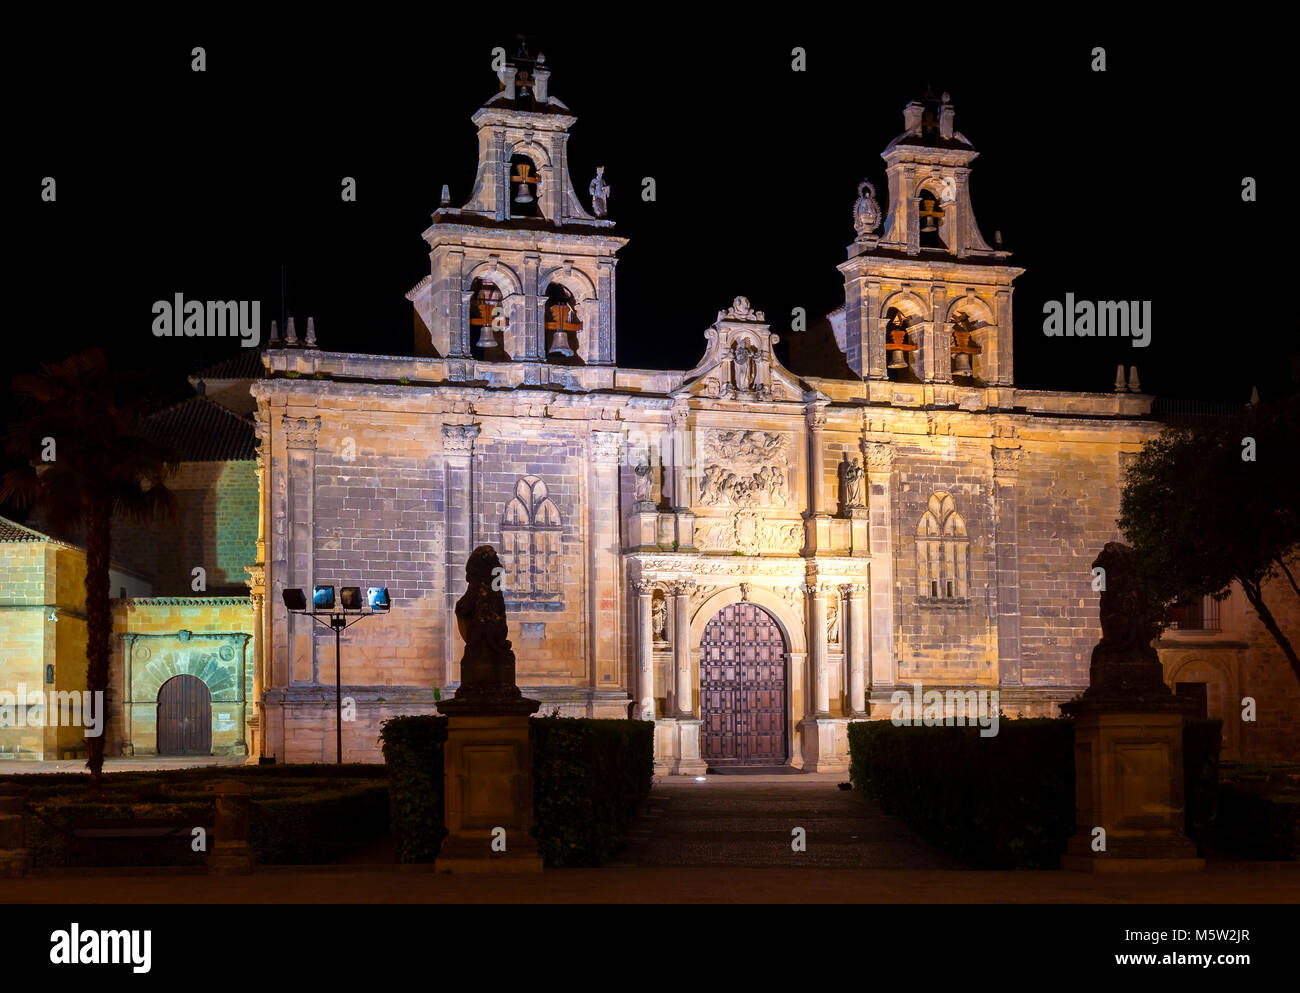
{"x": 1005, "y": 801}
{"x": 1259, "y": 811}
{"x": 589, "y": 778}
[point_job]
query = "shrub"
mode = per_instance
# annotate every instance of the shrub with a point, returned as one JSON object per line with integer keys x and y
{"x": 413, "y": 748}
{"x": 1006, "y": 801}
{"x": 316, "y": 827}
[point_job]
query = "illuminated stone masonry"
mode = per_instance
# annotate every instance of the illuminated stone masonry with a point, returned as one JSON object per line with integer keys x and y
{"x": 927, "y": 522}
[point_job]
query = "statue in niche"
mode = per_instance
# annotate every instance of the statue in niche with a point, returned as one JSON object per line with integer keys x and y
{"x": 851, "y": 484}
{"x": 744, "y": 354}
{"x": 833, "y": 622}
{"x": 599, "y": 191}
{"x": 487, "y": 669}
{"x": 866, "y": 212}
{"x": 641, "y": 485}
{"x": 659, "y": 616}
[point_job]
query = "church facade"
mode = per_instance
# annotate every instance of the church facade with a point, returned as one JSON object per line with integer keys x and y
{"x": 748, "y": 557}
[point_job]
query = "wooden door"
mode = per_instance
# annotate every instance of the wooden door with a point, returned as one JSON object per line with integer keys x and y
{"x": 184, "y": 717}
{"x": 742, "y": 688}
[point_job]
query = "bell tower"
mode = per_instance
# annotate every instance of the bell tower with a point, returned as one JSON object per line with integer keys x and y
{"x": 927, "y": 300}
{"x": 521, "y": 272}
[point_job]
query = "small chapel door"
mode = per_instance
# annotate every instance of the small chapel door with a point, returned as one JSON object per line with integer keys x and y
{"x": 184, "y": 717}
{"x": 742, "y": 688}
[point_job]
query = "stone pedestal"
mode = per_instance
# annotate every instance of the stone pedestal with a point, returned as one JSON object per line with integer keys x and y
{"x": 488, "y": 777}
{"x": 643, "y": 528}
{"x": 822, "y": 751}
{"x": 13, "y": 843}
{"x": 859, "y": 531}
{"x": 689, "y": 760}
{"x": 1128, "y": 780}
{"x": 231, "y": 853}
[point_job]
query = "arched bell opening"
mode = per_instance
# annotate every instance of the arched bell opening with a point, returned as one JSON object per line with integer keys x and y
{"x": 525, "y": 187}
{"x": 488, "y": 322}
{"x": 900, "y": 349}
{"x": 563, "y": 327}
{"x": 930, "y": 217}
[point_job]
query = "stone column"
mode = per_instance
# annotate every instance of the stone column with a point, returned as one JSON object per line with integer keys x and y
{"x": 1006, "y": 464}
{"x": 820, "y": 668}
{"x": 817, "y": 522}
{"x": 458, "y": 455}
{"x": 681, "y": 592}
{"x": 128, "y": 649}
{"x": 938, "y": 346}
{"x": 856, "y": 595}
{"x": 645, "y": 708}
{"x": 530, "y": 337}
{"x": 878, "y": 458}
{"x": 683, "y": 456}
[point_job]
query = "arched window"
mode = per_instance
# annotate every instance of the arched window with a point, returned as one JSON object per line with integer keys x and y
{"x": 562, "y": 325}
{"x": 530, "y": 536}
{"x": 942, "y": 551}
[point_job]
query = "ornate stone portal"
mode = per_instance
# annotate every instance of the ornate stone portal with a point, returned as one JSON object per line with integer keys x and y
{"x": 488, "y": 758}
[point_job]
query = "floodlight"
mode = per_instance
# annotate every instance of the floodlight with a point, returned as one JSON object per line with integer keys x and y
{"x": 350, "y": 597}
{"x": 322, "y": 597}
{"x": 295, "y": 599}
{"x": 377, "y": 596}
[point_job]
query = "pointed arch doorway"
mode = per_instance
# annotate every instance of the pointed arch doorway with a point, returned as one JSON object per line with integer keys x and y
{"x": 743, "y": 688}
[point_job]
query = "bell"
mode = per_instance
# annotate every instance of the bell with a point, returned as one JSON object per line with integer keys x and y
{"x": 560, "y": 344}
{"x": 523, "y": 196}
{"x": 486, "y": 338}
{"x": 897, "y": 360}
{"x": 961, "y": 364}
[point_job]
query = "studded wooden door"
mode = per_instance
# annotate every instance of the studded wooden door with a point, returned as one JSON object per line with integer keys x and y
{"x": 184, "y": 717}
{"x": 742, "y": 688}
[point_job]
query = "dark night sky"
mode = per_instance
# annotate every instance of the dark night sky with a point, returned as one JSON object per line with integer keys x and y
{"x": 1116, "y": 185}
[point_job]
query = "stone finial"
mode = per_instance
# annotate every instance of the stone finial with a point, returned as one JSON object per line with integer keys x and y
{"x": 487, "y": 669}
{"x": 1133, "y": 385}
{"x": 275, "y": 332}
{"x": 1119, "y": 378}
{"x": 291, "y": 334}
{"x": 1254, "y": 396}
{"x": 311, "y": 332}
{"x": 445, "y": 199}
{"x": 912, "y": 116}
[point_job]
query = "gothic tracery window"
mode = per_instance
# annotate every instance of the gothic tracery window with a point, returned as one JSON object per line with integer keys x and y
{"x": 531, "y": 540}
{"x": 942, "y": 550}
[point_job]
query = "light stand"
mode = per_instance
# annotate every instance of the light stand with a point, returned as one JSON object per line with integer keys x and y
{"x": 339, "y": 619}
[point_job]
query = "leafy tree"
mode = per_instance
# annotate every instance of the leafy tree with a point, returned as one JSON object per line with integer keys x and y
{"x": 87, "y": 462}
{"x": 1208, "y": 507}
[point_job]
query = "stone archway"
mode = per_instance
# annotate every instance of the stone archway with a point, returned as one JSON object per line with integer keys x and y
{"x": 744, "y": 698}
{"x": 184, "y": 717}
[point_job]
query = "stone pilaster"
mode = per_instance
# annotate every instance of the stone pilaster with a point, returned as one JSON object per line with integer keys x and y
{"x": 938, "y": 345}
{"x": 1006, "y": 465}
{"x": 645, "y": 707}
{"x": 683, "y": 460}
{"x": 683, "y": 702}
{"x": 878, "y": 458}
{"x": 603, "y": 560}
{"x": 856, "y": 595}
{"x": 817, "y": 521}
{"x": 458, "y": 473}
{"x": 534, "y": 330}
{"x": 300, "y": 444}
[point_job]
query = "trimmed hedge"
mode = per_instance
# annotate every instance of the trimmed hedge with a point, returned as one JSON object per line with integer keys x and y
{"x": 413, "y": 748}
{"x": 589, "y": 778}
{"x": 1259, "y": 811}
{"x": 298, "y": 814}
{"x": 1006, "y": 801}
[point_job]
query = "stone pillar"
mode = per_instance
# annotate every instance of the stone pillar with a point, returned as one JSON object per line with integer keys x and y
{"x": 856, "y": 595}
{"x": 681, "y": 591}
{"x": 530, "y": 338}
{"x": 878, "y": 458}
{"x": 821, "y": 676}
{"x": 458, "y": 455}
{"x": 938, "y": 347}
{"x": 1006, "y": 463}
{"x": 256, "y": 724}
{"x": 128, "y": 649}
{"x": 645, "y": 682}
{"x": 231, "y": 853}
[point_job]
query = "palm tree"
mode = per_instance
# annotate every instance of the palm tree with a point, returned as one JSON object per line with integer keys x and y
{"x": 87, "y": 462}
